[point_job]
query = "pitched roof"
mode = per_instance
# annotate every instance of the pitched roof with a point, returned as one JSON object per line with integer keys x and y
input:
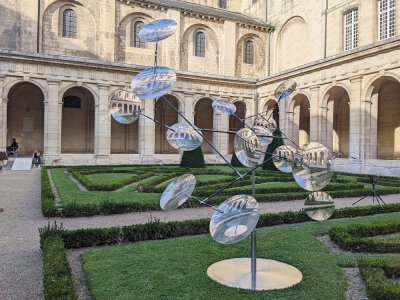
{"x": 206, "y": 10}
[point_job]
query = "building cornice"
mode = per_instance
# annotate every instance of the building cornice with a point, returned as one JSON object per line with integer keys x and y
{"x": 335, "y": 60}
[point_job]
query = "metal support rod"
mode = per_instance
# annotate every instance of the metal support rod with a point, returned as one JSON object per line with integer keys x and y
{"x": 156, "y": 121}
{"x": 254, "y": 260}
{"x": 156, "y": 56}
{"x": 199, "y": 132}
{"x": 253, "y": 239}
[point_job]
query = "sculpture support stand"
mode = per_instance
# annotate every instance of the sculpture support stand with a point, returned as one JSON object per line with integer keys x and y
{"x": 373, "y": 193}
{"x": 252, "y": 273}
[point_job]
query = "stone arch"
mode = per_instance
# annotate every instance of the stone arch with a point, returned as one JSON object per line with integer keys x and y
{"x": 299, "y": 119}
{"x": 246, "y": 70}
{"x": 325, "y": 94}
{"x": 165, "y": 114}
{"x": 271, "y": 109}
{"x": 124, "y": 138}
{"x": 126, "y": 53}
{"x": 382, "y": 124}
{"x": 234, "y": 123}
{"x": 77, "y": 129}
{"x": 335, "y": 119}
{"x": 84, "y": 45}
{"x": 8, "y": 86}
{"x": 190, "y": 62}
{"x": 204, "y": 119}
{"x": 25, "y": 116}
{"x": 293, "y": 32}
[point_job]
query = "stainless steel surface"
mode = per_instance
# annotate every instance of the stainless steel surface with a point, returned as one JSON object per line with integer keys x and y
{"x": 235, "y": 219}
{"x": 177, "y": 192}
{"x": 271, "y": 274}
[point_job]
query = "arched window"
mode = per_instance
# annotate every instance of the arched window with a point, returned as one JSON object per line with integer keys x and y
{"x": 136, "y": 42}
{"x": 386, "y": 19}
{"x": 200, "y": 44}
{"x": 351, "y": 30}
{"x": 69, "y": 24}
{"x": 249, "y": 53}
{"x": 222, "y": 4}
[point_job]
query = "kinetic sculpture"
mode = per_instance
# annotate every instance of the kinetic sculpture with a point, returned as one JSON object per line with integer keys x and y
{"x": 237, "y": 217}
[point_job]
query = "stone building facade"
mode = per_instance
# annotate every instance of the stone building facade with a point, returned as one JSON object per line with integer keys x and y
{"x": 61, "y": 61}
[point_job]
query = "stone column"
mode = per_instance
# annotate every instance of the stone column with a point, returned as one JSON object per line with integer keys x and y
{"x": 355, "y": 118}
{"x": 189, "y": 109}
{"x": 3, "y": 115}
{"x": 103, "y": 128}
{"x": 147, "y": 133}
{"x": 52, "y": 129}
{"x": 314, "y": 122}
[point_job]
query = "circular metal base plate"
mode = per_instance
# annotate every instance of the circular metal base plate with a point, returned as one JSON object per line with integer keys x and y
{"x": 271, "y": 274}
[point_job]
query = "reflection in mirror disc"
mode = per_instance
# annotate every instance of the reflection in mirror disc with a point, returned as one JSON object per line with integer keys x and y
{"x": 184, "y": 137}
{"x": 224, "y": 106}
{"x": 319, "y": 206}
{"x": 177, "y": 192}
{"x": 153, "y": 82}
{"x": 267, "y": 123}
{"x": 157, "y": 30}
{"x": 264, "y": 135}
{"x": 285, "y": 89}
{"x": 313, "y": 170}
{"x": 239, "y": 218}
{"x": 284, "y": 159}
{"x": 124, "y": 106}
{"x": 247, "y": 147}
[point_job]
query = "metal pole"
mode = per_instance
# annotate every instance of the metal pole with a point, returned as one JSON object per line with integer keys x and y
{"x": 253, "y": 240}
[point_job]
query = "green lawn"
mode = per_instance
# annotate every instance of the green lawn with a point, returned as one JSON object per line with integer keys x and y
{"x": 70, "y": 193}
{"x": 107, "y": 178}
{"x": 177, "y": 269}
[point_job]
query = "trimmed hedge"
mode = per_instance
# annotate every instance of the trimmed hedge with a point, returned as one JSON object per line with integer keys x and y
{"x": 360, "y": 238}
{"x": 376, "y": 273}
{"x": 193, "y": 159}
{"x": 154, "y": 230}
{"x": 87, "y": 183}
{"x": 57, "y": 277}
{"x": 47, "y": 198}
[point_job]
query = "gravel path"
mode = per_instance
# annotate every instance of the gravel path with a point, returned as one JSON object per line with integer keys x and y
{"x": 197, "y": 213}
{"x": 20, "y": 255}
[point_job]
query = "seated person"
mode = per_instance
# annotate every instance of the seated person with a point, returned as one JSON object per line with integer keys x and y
{"x": 36, "y": 161}
{"x": 12, "y": 148}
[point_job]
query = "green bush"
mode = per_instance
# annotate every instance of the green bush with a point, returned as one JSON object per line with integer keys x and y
{"x": 47, "y": 198}
{"x": 57, "y": 278}
{"x": 235, "y": 161}
{"x": 276, "y": 142}
{"x": 193, "y": 159}
{"x": 360, "y": 238}
{"x": 376, "y": 273}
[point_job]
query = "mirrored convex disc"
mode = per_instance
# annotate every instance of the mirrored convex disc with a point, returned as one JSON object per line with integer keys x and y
{"x": 266, "y": 122}
{"x": 235, "y": 219}
{"x": 182, "y": 136}
{"x": 177, "y": 192}
{"x": 224, "y": 106}
{"x": 319, "y": 206}
{"x": 158, "y": 30}
{"x": 284, "y": 158}
{"x": 247, "y": 147}
{"x": 124, "y": 106}
{"x": 264, "y": 135}
{"x": 153, "y": 82}
{"x": 285, "y": 89}
{"x": 313, "y": 170}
